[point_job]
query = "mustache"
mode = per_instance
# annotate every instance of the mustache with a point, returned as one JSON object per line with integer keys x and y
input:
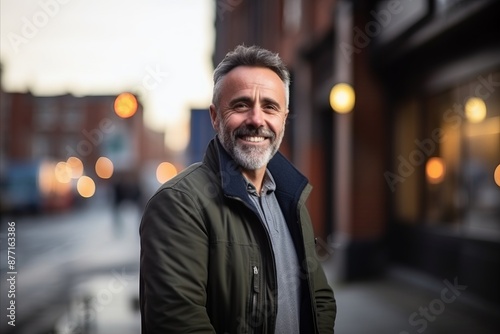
{"x": 254, "y": 132}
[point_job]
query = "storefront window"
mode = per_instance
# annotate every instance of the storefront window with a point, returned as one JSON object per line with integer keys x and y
{"x": 463, "y": 124}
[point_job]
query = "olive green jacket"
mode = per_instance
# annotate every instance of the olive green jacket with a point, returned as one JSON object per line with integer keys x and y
{"x": 207, "y": 264}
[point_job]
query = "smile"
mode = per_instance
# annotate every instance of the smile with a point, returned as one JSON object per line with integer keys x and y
{"x": 255, "y": 139}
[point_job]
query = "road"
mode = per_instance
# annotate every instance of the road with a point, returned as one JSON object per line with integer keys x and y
{"x": 76, "y": 271}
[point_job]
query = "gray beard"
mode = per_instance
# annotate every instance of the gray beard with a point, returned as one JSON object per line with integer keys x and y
{"x": 247, "y": 156}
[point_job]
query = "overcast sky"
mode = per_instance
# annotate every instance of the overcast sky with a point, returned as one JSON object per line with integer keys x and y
{"x": 160, "y": 49}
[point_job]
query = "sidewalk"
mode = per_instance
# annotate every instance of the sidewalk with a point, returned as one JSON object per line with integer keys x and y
{"x": 407, "y": 302}
{"x": 104, "y": 296}
{"x": 82, "y": 274}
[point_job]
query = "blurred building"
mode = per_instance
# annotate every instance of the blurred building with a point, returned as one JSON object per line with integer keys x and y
{"x": 201, "y": 133}
{"x": 411, "y": 175}
{"x": 40, "y": 131}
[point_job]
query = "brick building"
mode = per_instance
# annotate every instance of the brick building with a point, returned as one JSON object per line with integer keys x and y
{"x": 54, "y": 128}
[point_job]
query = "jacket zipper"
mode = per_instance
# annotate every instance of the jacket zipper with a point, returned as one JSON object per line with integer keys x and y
{"x": 255, "y": 293}
{"x": 254, "y": 311}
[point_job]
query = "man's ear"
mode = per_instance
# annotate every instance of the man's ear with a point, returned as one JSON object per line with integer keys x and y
{"x": 214, "y": 117}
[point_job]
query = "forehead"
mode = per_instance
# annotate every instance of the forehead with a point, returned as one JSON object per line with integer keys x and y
{"x": 244, "y": 80}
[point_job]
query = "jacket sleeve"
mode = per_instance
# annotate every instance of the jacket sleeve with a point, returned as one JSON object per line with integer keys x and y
{"x": 173, "y": 265}
{"x": 326, "y": 306}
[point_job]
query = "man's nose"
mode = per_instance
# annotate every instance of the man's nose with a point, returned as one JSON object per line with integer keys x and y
{"x": 256, "y": 116}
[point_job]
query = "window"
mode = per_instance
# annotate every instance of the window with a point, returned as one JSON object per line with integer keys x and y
{"x": 447, "y": 151}
{"x": 46, "y": 114}
{"x": 469, "y": 149}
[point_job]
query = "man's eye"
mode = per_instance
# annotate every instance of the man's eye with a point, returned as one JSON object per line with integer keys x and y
{"x": 271, "y": 107}
{"x": 240, "y": 106}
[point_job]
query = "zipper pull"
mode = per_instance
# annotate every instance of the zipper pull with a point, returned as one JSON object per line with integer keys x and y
{"x": 255, "y": 279}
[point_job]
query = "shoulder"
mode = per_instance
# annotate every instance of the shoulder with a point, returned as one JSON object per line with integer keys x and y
{"x": 194, "y": 182}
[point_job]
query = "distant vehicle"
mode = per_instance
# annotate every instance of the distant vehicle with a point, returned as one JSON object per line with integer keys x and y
{"x": 31, "y": 187}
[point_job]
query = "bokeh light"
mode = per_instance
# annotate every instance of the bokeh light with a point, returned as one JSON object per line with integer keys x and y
{"x": 435, "y": 170}
{"x": 62, "y": 172}
{"x": 76, "y": 166}
{"x": 475, "y": 110}
{"x": 104, "y": 168}
{"x": 125, "y": 105}
{"x": 496, "y": 175}
{"x": 165, "y": 172}
{"x": 85, "y": 186}
{"x": 342, "y": 98}
{"x": 46, "y": 177}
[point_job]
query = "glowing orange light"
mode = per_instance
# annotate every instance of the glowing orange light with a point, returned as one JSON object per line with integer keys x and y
{"x": 85, "y": 186}
{"x": 125, "y": 105}
{"x": 342, "y": 98}
{"x": 435, "y": 170}
{"x": 62, "y": 172}
{"x": 496, "y": 175}
{"x": 475, "y": 110}
{"x": 46, "y": 177}
{"x": 62, "y": 188}
{"x": 104, "y": 168}
{"x": 76, "y": 166}
{"x": 165, "y": 172}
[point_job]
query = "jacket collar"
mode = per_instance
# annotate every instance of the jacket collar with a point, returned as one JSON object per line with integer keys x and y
{"x": 290, "y": 183}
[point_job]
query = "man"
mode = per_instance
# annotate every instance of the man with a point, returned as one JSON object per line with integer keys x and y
{"x": 227, "y": 245}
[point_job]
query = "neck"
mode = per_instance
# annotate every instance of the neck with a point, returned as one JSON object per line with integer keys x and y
{"x": 256, "y": 177}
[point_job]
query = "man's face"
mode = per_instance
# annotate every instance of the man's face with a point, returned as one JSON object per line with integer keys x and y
{"x": 250, "y": 115}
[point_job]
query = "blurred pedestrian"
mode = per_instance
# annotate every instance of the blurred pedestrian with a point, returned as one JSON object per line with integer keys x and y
{"x": 227, "y": 245}
{"x": 126, "y": 199}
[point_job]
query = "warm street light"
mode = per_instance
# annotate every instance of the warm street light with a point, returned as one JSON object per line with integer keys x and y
{"x": 342, "y": 98}
{"x": 104, "y": 168}
{"x": 496, "y": 175}
{"x": 475, "y": 110}
{"x": 85, "y": 186}
{"x": 435, "y": 170}
{"x": 125, "y": 105}
{"x": 165, "y": 171}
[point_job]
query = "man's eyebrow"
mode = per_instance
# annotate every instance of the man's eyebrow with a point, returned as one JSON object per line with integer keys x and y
{"x": 268, "y": 100}
{"x": 240, "y": 99}
{"x": 249, "y": 100}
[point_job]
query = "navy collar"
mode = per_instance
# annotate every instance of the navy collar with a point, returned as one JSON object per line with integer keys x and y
{"x": 290, "y": 183}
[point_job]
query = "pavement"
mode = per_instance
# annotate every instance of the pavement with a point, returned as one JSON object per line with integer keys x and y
{"x": 406, "y": 301}
{"x": 77, "y": 272}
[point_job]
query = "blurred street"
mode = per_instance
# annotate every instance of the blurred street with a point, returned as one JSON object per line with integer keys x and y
{"x": 76, "y": 271}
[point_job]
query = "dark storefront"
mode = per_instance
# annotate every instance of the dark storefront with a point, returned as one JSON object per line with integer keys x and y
{"x": 440, "y": 66}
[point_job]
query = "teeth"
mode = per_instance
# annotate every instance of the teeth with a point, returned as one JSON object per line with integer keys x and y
{"x": 254, "y": 139}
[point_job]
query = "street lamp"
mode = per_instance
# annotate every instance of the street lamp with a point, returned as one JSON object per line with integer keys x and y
{"x": 125, "y": 105}
{"x": 475, "y": 110}
{"x": 342, "y": 98}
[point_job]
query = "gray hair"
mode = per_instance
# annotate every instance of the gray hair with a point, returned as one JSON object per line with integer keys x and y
{"x": 250, "y": 56}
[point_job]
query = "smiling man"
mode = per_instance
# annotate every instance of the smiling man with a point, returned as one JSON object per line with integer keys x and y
{"x": 227, "y": 245}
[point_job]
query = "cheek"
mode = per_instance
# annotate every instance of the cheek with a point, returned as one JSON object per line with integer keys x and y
{"x": 231, "y": 122}
{"x": 279, "y": 125}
